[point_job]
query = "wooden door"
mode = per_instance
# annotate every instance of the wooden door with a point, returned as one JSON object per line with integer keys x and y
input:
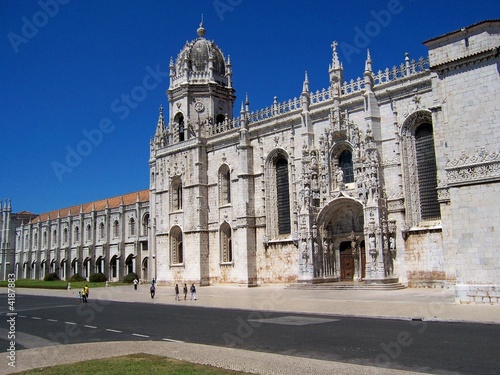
{"x": 346, "y": 266}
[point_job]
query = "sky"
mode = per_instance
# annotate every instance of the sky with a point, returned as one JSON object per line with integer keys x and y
{"x": 69, "y": 136}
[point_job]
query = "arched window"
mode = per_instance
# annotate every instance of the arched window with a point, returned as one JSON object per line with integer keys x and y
{"x": 76, "y": 234}
{"x": 176, "y": 246}
{"x": 176, "y": 194}
{"x": 65, "y": 235}
{"x": 44, "y": 238}
{"x": 226, "y": 246}
{"x": 101, "y": 231}
{"x": 427, "y": 172}
{"x": 132, "y": 226}
{"x": 283, "y": 196}
{"x": 345, "y": 163}
{"x": 179, "y": 120}
{"x": 54, "y": 237}
{"x": 145, "y": 225}
{"x": 89, "y": 232}
{"x": 35, "y": 241}
{"x": 420, "y": 171}
{"x": 224, "y": 185}
{"x": 278, "y": 210}
{"x": 116, "y": 229}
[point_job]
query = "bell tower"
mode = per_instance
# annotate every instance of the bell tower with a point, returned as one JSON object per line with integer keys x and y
{"x": 200, "y": 89}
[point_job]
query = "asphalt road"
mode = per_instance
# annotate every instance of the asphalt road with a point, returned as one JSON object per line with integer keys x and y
{"x": 434, "y": 347}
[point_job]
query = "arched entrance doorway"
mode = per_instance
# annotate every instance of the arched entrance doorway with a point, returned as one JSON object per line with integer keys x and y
{"x": 341, "y": 228}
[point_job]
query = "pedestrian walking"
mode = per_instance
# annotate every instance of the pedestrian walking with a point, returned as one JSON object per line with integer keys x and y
{"x": 185, "y": 290}
{"x": 86, "y": 291}
{"x": 135, "y": 284}
{"x": 193, "y": 292}
{"x": 84, "y": 295}
{"x": 177, "y": 298}
{"x": 152, "y": 290}
{"x": 79, "y": 297}
{"x": 153, "y": 282}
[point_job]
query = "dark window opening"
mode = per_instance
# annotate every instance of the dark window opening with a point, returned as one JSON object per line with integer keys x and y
{"x": 427, "y": 172}
{"x": 345, "y": 162}
{"x": 220, "y": 118}
{"x": 179, "y": 119}
{"x": 283, "y": 196}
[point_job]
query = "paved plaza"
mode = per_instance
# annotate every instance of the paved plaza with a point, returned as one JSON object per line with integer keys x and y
{"x": 425, "y": 304}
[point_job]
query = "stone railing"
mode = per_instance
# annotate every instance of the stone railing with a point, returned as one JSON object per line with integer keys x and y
{"x": 352, "y": 86}
{"x": 197, "y": 77}
{"x": 275, "y": 110}
{"x": 320, "y": 96}
{"x": 406, "y": 69}
{"x": 222, "y": 127}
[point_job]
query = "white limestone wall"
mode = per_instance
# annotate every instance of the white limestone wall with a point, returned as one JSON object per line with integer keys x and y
{"x": 464, "y": 43}
{"x": 472, "y": 113}
{"x": 474, "y": 240}
{"x": 468, "y": 136}
{"x": 278, "y": 263}
{"x": 424, "y": 258}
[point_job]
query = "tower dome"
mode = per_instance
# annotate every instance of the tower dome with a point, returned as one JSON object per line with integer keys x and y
{"x": 200, "y": 61}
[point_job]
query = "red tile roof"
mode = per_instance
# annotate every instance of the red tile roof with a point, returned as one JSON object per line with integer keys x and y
{"x": 126, "y": 199}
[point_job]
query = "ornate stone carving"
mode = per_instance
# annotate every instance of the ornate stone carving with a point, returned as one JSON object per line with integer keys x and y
{"x": 473, "y": 168}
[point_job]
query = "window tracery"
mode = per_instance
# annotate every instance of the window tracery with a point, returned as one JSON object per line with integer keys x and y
{"x": 176, "y": 246}
{"x": 420, "y": 178}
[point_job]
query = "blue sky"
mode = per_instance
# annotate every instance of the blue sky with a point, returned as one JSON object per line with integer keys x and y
{"x": 66, "y": 66}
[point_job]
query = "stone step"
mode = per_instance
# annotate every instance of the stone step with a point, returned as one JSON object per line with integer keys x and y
{"x": 346, "y": 286}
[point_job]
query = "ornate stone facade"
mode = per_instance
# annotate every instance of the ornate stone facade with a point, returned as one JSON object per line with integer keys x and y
{"x": 390, "y": 177}
{"x": 353, "y": 182}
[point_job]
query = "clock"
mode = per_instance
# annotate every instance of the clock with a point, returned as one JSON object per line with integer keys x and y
{"x": 199, "y": 107}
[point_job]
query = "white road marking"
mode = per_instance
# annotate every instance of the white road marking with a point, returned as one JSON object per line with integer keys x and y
{"x": 89, "y": 326}
{"x": 70, "y": 323}
{"x": 113, "y": 330}
{"x": 171, "y": 340}
{"x": 35, "y": 317}
{"x": 139, "y": 335}
{"x": 52, "y": 320}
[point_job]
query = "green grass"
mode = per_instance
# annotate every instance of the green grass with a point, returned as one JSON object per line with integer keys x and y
{"x": 132, "y": 365}
{"x": 57, "y": 284}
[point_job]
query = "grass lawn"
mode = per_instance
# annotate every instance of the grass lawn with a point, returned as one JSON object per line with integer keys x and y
{"x": 132, "y": 365}
{"x": 57, "y": 284}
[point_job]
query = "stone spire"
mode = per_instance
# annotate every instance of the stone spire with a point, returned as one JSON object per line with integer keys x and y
{"x": 368, "y": 62}
{"x": 171, "y": 67}
{"x": 247, "y": 104}
{"x": 161, "y": 131}
{"x": 336, "y": 70}
{"x": 229, "y": 72}
{"x": 305, "y": 94}
{"x": 305, "y": 85}
{"x": 368, "y": 74}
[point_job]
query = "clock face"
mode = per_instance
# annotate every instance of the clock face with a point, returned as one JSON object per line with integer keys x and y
{"x": 199, "y": 107}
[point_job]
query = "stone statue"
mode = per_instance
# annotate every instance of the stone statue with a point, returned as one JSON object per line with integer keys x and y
{"x": 340, "y": 176}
